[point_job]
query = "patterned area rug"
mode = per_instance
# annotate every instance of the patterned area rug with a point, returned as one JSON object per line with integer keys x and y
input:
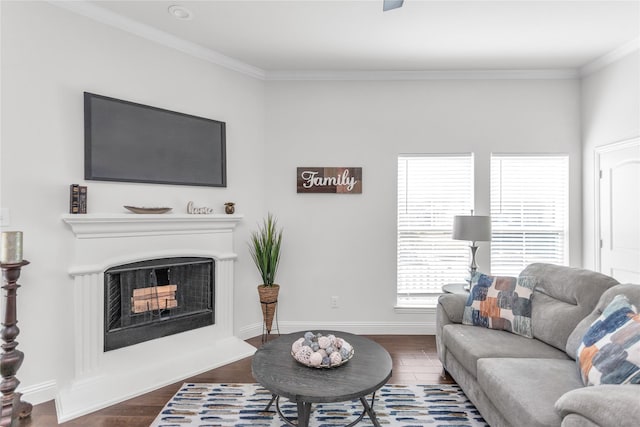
{"x": 208, "y": 405}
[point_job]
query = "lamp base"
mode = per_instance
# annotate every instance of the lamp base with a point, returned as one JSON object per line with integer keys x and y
{"x": 473, "y": 267}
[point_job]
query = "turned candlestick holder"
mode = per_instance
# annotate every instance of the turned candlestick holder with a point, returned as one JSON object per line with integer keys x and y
{"x": 11, "y": 359}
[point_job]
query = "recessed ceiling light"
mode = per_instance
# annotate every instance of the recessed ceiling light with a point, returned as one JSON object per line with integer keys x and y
{"x": 180, "y": 12}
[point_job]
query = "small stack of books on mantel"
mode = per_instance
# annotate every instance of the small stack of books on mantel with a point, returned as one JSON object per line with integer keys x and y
{"x": 77, "y": 199}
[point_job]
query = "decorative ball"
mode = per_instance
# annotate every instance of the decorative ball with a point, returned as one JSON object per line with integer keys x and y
{"x": 315, "y": 359}
{"x": 323, "y": 352}
{"x": 339, "y": 342}
{"x": 306, "y": 342}
{"x": 332, "y": 339}
{"x": 335, "y": 358}
{"x": 304, "y": 355}
{"x": 296, "y": 345}
{"x": 344, "y": 353}
{"x": 324, "y": 342}
{"x": 347, "y": 346}
{"x": 326, "y": 361}
{"x": 315, "y": 346}
{"x": 309, "y": 336}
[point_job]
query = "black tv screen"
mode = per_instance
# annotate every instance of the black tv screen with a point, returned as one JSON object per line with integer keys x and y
{"x": 125, "y": 141}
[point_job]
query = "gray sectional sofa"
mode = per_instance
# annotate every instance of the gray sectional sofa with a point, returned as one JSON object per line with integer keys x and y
{"x": 521, "y": 382}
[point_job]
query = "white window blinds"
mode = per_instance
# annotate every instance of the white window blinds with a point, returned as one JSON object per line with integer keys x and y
{"x": 431, "y": 191}
{"x": 529, "y": 211}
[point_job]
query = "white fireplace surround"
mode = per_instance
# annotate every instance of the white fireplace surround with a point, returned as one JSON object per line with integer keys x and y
{"x": 106, "y": 240}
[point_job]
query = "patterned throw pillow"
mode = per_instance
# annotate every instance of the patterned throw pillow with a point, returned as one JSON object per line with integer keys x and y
{"x": 610, "y": 349}
{"x": 500, "y": 302}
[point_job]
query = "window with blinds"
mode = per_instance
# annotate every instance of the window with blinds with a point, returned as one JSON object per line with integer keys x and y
{"x": 432, "y": 189}
{"x": 529, "y": 211}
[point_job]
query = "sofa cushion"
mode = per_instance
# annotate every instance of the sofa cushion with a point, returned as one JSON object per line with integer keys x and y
{"x": 500, "y": 302}
{"x": 610, "y": 349}
{"x": 525, "y": 390}
{"x": 469, "y": 343}
{"x": 632, "y": 292}
{"x": 563, "y": 296}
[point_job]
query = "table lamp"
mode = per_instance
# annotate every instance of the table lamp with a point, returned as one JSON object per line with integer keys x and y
{"x": 473, "y": 228}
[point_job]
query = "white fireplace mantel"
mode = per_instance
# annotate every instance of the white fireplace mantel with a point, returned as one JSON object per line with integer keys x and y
{"x": 92, "y": 226}
{"x": 102, "y": 241}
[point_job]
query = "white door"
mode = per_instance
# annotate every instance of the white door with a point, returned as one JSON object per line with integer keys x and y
{"x": 619, "y": 210}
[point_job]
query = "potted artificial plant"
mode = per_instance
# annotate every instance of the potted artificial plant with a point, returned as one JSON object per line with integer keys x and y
{"x": 264, "y": 247}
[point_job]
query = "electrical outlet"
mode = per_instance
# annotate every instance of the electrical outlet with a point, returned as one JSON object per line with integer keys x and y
{"x": 5, "y": 217}
{"x": 334, "y": 302}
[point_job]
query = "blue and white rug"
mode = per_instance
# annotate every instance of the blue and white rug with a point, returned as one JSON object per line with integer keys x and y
{"x": 242, "y": 405}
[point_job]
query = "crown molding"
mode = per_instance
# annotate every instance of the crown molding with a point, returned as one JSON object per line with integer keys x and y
{"x": 115, "y": 20}
{"x": 423, "y": 75}
{"x": 107, "y": 17}
{"x": 611, "y": 57}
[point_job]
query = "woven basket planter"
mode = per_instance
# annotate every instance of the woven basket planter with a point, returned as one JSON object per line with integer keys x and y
{"x": 268, "y": 301}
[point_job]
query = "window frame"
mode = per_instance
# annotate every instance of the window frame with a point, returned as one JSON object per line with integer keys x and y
{"x": 559, "y": 229}
{"x": 440, "y": 233}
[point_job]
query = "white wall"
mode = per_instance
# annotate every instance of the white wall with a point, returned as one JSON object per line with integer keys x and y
{"x": 49, "y": 57}
{"x": 345, "y": 245}
{"x": 610, "y": 113}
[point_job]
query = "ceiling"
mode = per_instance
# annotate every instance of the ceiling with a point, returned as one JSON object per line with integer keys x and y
{"x": 423, "y": 35}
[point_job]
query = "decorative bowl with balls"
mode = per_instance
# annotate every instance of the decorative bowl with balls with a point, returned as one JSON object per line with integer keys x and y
{"x": 321, "y": 351}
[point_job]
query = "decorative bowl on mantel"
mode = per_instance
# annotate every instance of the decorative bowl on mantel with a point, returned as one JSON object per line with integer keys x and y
{"x": 321, "y": 351}
{"x": 142, "y": 210}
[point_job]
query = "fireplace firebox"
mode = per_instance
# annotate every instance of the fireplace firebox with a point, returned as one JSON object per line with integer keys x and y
{"x": 156, "y": 298}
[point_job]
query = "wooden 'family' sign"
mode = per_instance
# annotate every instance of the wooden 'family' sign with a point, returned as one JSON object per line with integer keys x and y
{"x": 329, "y": 180}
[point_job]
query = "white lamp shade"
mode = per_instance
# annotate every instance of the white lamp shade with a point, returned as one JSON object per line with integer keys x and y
{"x": 474, "y": 228}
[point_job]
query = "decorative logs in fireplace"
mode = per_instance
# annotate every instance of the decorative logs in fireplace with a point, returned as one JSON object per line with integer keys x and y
{"x": 152, "y": 299}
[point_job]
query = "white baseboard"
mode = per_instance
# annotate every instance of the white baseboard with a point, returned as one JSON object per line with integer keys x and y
{"x": 427, "y": 327}
{"x": 249, "y": 331}
{"x": 39, "y": 393}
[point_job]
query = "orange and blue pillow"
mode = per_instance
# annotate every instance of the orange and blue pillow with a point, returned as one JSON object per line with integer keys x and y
{"x": 610, "y": 349}
{"x": 500, "y": 302}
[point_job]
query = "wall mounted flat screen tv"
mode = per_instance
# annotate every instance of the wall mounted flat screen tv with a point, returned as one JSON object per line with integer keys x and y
{"x": 125, "y": 141}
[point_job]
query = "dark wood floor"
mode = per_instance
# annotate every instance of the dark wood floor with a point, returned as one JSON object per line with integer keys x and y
{"x": 414, "y": 362}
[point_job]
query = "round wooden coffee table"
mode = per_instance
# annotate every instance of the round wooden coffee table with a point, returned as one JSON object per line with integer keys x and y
{"x": 277, "y": 371}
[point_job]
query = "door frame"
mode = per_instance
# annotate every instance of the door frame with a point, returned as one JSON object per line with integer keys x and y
{"x": 614, "y": 146}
